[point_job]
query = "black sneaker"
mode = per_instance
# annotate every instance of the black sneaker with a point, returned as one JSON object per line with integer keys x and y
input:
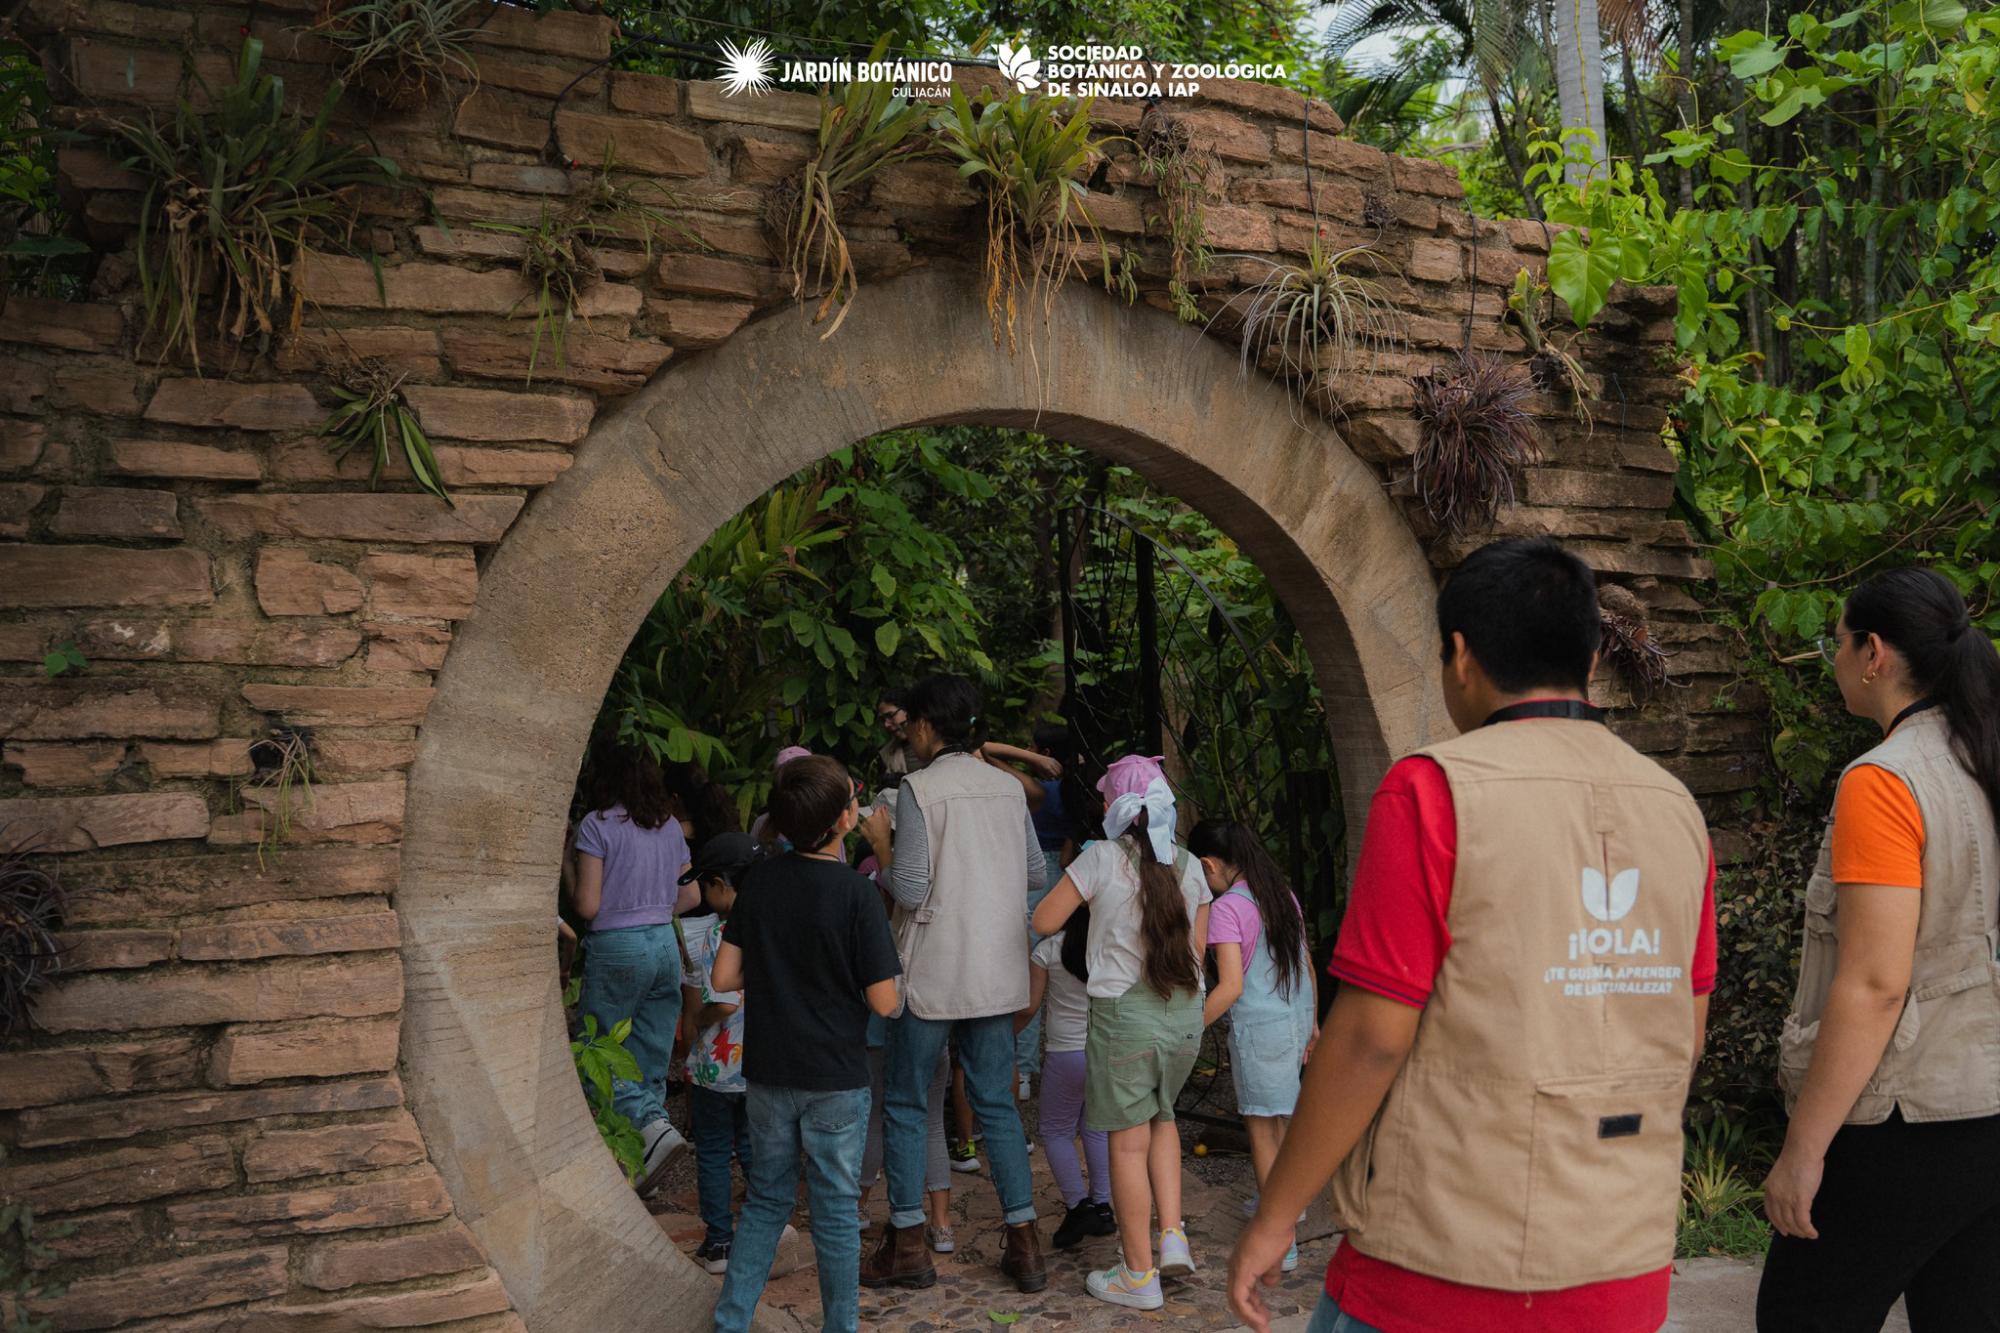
{"x": 1080, "y": 1221}
{"x": 1106, "y": 1222}
{"x": 713, "y": 1256}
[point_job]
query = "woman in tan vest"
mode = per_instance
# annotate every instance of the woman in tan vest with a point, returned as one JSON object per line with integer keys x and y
{"x": 1889, "y": 1181}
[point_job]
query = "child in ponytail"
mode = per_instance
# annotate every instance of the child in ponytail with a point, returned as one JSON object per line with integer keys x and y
{"x": 1148, "y": 924}
{"x": 1263, "y": 981}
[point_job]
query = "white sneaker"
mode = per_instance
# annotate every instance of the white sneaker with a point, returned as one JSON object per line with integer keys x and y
{"x": 1121, "y": 1286}
{"x": 662, "y": 1141}
{"x": 1176, "y": 1260}
{"x": 940, "y": 1238}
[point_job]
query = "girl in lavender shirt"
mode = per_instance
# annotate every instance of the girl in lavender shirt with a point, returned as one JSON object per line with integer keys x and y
{"x": 630, "y": 852}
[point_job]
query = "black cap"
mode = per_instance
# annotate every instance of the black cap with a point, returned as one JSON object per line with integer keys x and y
{"x": 725, "y": 854}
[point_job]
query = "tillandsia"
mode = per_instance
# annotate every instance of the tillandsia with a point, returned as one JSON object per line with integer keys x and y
{"x": 1314, "y": 320}
{"x": 373, "y": 413}
{"x": 236, "y": 195}
{"x": 31, "y": 908}
{"x": 1179, "y": 167}
{"x": 1474, "y": 431}
{"x": 863, "y": 129}
{"x": 1551, "y": 367}
{"x": 1029, "y": 155}
{"x": 1628, "y": 642}
{"x": 401, "y": 52}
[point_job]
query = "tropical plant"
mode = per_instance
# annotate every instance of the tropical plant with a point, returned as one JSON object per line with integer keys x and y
{"x": 1628, "y": 645}
{"x": 400, "y": 52}
{"x": 1179, "y": 170}
{"x": 280, "y": 786}
{"x": 1474, "y": 432}
{"x": 1029, "y": 155}
{"x": 1719, "y": 1205}
{"x": 235, "y": 197}
{"x": 559, "y": 256}
{"x": 863, "y": 130}
{"x": 65, "y": 656}
{"x": 1309, "y": 322}
{"x": 375, "y": 413}
{"x": 600, "y": 1058}
{"x": 35, "y": 254}
{"x": 1552, "y": 367}
{"x": 31, "y": 907}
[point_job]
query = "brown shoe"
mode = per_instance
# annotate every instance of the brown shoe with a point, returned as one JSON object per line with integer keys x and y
{"x": 901, "y": 1260}
{"x": 1021, "y": 1257}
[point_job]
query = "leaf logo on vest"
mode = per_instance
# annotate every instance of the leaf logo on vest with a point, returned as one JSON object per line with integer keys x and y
{"x": 1611, "y": 903}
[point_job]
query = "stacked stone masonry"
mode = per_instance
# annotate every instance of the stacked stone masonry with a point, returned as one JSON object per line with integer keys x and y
{"x": 212, "y": 1103}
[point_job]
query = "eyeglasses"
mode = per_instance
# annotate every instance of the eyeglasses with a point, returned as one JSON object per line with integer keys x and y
{"x": 1826, "y": 647}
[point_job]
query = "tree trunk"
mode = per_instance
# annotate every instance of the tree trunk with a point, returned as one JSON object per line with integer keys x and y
{"x": 1641, "y": 124}
{"x": 1580, "y": 79}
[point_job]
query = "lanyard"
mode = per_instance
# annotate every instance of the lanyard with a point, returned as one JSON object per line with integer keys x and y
{"x": 1574, "y": 709}
{"x": 1917, "y": 707}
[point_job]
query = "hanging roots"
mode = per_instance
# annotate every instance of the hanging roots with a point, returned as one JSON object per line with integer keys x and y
{"x": 1475, "y": 431}
{"x": 1628, "y": 645}
{"x": 31, "y": 906}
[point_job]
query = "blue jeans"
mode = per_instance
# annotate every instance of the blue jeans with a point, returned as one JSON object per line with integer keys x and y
{"x": 826, "y": 1128}
{"x": 721, "y": 1126}
{"x": 1329, "y": 1318}
{"x": 635, "y": 973}
{"x": 986, "y": 1053}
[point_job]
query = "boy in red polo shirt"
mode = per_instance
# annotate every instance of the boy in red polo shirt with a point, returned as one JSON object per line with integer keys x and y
{"x": 1528, "y": 1012}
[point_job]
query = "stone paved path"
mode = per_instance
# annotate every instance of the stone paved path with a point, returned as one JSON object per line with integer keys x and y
{"x": 1709, "y": 1295}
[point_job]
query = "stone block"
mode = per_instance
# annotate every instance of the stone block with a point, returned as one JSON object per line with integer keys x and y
{"x": 349, "y": 755}
{"x": 47, "y": 1076}
{"x": 341, "y": 986}
{"x": 292, "y": 583}
{"x": 164, "y": 888}
{"x": 20, "y": 444}
{"x": 636, "y": 145}
{"x": 17, "y": 504}
{"x": 242, "y": 643}
{"x": 395, "y": 1202}
{"x": 353, "y": 932}
{"x": 341, "y": 705}
{"x": 176, "y": 461}
{"x": 645, "y": 94}
{"x": 206, "y": 759}
{"x": 198, "y": 1282}
{"x": 1600, "y": 490}
{"x": 109, "y": 950}
{"x": 704, "y": 275}
{"x": 335, "y": 1265}
{"x": 598, "y": 361}
{"x": 561, "y": 32}
{"x": 123, "y": 1175}
{"x": 780, "y": 110}
{"x": 74, "y": 326}
{"x": 412, "y": 352}
{"x": 258, "y": 1052}
{"x": 464, "y": 1299}
{"x": 125, "y": 1117}
{"x": 84, "y": 823}
{"x": 475, "y": 519}
{"x": 116, "y": 511}
{"x": 332, "y": 1150}
{"x": 691, "y": 323}
{"x": 396, "y": 646}
{"x": 503, "y": 120}
{"x": 498, "y": 415}
{"x": 210, "y": 402}
{"x": 58, "y": 764}
{"x": 1433, "y": 260}
{"x": 85, "y": 576}
{"x": 437, "y": 587}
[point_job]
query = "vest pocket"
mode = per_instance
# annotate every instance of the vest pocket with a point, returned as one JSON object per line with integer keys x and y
{"x": 1604, "y": 1176}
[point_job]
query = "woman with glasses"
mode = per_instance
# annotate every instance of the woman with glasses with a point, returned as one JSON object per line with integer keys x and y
{"x": 896, "y": 758}
{"x": 1890, "y": 1060}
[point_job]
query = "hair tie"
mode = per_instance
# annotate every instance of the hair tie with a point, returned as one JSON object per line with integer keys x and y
{"x": 1951, "y": 635}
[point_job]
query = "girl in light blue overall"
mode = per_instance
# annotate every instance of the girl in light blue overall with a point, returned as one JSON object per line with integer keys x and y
{"x": 1264, "y": 982}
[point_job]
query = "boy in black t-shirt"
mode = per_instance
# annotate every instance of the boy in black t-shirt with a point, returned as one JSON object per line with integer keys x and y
{"x": 808, "y": 944}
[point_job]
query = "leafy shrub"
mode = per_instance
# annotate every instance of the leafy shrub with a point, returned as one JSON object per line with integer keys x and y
{"x": 601, "y": 1057}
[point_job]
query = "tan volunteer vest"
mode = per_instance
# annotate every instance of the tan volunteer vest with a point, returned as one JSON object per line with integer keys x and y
{"x": 965, "y": 951}
{"x": 1533, "y": 1138}
{"x": 1943, "y": 1063}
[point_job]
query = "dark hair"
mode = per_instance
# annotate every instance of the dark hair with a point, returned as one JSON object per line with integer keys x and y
{"x": 1076, "y": 943}
{"x": 628, "y": 776}
{"x": 894, "y": 694}
{"x": 951, "y": 705}
{"x": 1164, "y": 929}
{"x": 706, "y": 803}
{"x": 808, "y": 798}
{"x": 1053, "y": 739}
{"x": 1920, "y": 613}
{"x": 1528, "y": 611}
{"x": 1235, "y": 845}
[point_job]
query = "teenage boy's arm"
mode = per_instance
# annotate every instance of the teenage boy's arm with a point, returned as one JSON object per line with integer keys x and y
{"x": 1366, "y": 1039}
{"x": 726, "y": 973}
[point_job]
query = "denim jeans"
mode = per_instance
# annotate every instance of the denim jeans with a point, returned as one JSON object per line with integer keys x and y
{"x": 721, "y": 1126}
{"x": 1329, "y": 1318}
{"x": 635, "y": 973}
{"x": 986, "y": 1052}
{"x": 826, "y": 1129}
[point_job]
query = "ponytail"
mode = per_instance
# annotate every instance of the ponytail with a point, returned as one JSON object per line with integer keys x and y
{"x": 1164, "y": 928}
{"x": 1920, "y": 613}
{"x": 1076, "y": 944}
{"x": 1236, "y": 845}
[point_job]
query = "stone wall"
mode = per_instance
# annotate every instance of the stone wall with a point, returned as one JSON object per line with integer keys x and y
{"x": 213, "y": 1099}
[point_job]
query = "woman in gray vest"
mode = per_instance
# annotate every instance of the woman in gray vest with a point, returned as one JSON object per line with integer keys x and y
{"x": 1889, "y": 1182}
{"x": 964, "y": 860}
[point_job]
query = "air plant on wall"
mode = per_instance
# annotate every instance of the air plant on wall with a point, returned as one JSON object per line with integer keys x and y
{"x": 860, "y": 132}
{"x": 1475, "y": 430}
{"x": 31, "y": 907}
{"x": 1628, "y": 644}
{"x": 400, "y": 52}
{"x": 1030, "y": 155}
{"x": 373, "y": 413}
{"x": 1179, "y": 169}
{"x": 1315, "y": 319}
{"x": 1551, "y": 367}
{"x": 281, "y": 786}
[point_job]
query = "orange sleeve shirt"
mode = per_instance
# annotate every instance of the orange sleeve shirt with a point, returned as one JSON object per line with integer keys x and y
{"x": 1878, "y": 833}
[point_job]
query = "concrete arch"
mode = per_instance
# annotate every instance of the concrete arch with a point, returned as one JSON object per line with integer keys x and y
{"x": 488, "y": 1070}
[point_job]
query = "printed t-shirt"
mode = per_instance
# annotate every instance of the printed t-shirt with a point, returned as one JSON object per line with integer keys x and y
{"x": 1878, "y": 832}
{"x": 1393, "y": 942}
{"x": 642, "y": 867}
{"x": 1108, "y": 879}
{"x": 715, "y": 1056}
{"x": 1066, "y": 1021}
{"x": 814, "y": 938}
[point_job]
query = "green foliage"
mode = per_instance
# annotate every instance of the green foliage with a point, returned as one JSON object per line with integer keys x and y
{"x": 863, "y": 130}
{"x": 1719, "y": 1208}
{"x": 35, "y": 255}
{"x": 373, "y": 412}
{"x": 1310, "y": 322}
{"x": 559, "y": 251}
{"x": 1029, "y": 154}
{"x": 65, "y": 656}
{"x": 235, "y": 196}
{"x": 401, "y": 52}
{"x": 601, "y": 1057}
{"x": 23, "y": 1248}
{"x": 281, "y": 787}
{"x": 1179, "y": 171}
